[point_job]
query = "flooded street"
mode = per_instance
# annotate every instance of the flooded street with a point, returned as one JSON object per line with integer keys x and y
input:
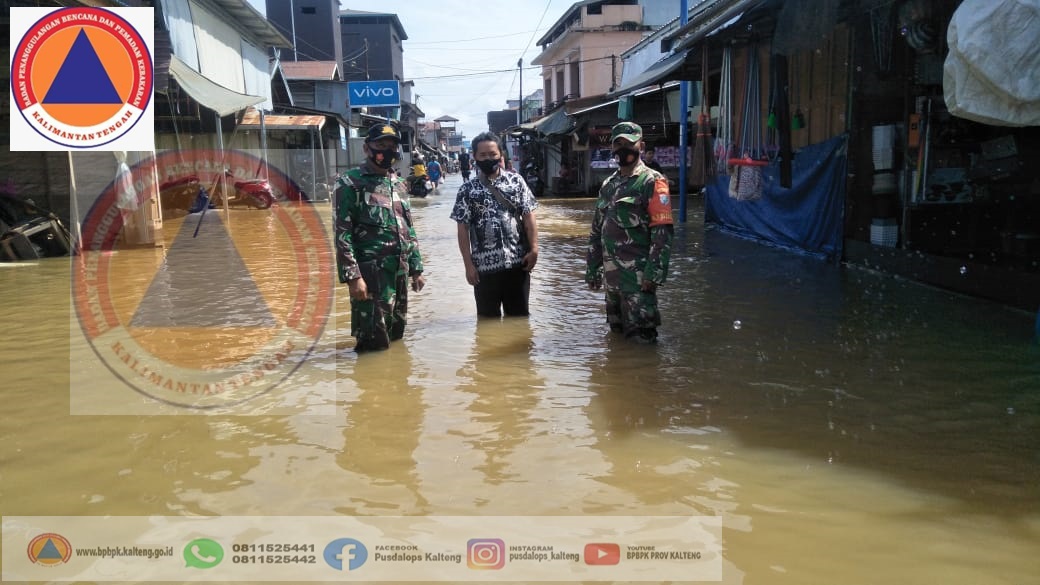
{"x": 848, "y": 427}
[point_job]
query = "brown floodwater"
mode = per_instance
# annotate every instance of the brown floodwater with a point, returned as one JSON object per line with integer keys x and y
{"x": 847, "y": 426}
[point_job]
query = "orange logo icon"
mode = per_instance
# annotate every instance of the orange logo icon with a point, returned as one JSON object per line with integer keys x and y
{"x": 81, "y": 78}
{"x": 49, "y": 549}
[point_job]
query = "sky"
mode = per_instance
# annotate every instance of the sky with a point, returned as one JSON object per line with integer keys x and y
{"x": 463, "y": 54}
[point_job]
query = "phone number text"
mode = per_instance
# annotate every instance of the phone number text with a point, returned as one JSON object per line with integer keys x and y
{"x": 272, "y": 548}
{"x": 275, "y": 559}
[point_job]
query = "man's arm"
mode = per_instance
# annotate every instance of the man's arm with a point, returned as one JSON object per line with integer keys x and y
{"x": 346, "y": 210}
{"x": 594, "y": 254}
{"x": 472, "y": 276}
{"x": 415, "y": 263}
{"x": 530, "y": 227}
{"x": 659, "y": 209}
{"x": 346, "y": 259}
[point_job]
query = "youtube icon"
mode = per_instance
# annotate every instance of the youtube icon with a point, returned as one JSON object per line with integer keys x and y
{"x": 602, "y": 553}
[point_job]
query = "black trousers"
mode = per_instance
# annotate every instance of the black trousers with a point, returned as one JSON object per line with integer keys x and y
{"x": 506, "y": 290}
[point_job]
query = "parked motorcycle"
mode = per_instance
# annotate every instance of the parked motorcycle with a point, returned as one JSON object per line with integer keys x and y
{"x": 252, "y": 192}
{"x": 188, "y": 193}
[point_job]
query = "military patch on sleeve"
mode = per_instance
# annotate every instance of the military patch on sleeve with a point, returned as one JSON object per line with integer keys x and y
{"x": 660, "y": 205}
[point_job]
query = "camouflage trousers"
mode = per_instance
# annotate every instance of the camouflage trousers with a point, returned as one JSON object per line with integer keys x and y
{"x": 380, "y": 319}
{"x": 632, "y": 312}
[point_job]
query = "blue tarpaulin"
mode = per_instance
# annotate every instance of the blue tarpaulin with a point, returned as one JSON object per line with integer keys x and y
{"x": 806, "y": 218}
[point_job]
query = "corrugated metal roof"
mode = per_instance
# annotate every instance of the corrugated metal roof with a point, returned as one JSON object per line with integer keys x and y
{"x": 247, "y": 17}
{"x": 282, "y": 121}
{"x": 320, "y": 70}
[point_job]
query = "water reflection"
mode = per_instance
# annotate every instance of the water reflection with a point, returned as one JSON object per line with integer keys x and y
{"x": 848, "y": 408}
{"x": 380, "y": 437}
{"x": 505, "y": 390}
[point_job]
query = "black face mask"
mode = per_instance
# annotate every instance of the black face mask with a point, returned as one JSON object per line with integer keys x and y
{"x": 626, "y": 156}
{"x": 488, "y": 166}
{"x": 383, "y": 159}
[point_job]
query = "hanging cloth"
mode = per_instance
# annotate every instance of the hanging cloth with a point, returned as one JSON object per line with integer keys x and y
{"x": 724, "y": 141}
{"x": 746, "y": 175}
{"x": 772, "y": 145}
{"x": 703, "y": 162}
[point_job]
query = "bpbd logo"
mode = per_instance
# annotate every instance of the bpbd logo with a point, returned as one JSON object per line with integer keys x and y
{"x": 220, "y": 317}
{"x": 81, "y": 78}
{"x": 49, "y": 550}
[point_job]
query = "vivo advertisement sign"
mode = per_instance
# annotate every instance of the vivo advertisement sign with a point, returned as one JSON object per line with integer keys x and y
{"x": 374, "y": 93}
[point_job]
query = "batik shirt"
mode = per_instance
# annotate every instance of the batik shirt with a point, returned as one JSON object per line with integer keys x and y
{"x": 494, "y": 230}
{"x": 631, "y": 229}
{"x": 373, "y": 222}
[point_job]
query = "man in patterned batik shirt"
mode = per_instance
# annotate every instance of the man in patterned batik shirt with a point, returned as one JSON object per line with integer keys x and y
{"x": 497, "y": 232}
{"x": 631, "y": 238}
{"x": 376, "y": 247}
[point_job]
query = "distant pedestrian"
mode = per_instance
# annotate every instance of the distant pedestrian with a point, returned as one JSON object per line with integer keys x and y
{"x": 376, "y": 247}
{"x": 464, "y": 165}
{"x": 434, "y": 171}
{"x": 631, "y": 238}
{"x": 497, "y": 232}
{"x": 648, "y": 160}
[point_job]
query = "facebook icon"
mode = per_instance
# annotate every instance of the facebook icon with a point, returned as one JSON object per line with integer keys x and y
{"x": 345, "y": 554}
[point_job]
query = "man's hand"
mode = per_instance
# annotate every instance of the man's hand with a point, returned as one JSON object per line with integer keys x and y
{"x": 418, "y": 282}
{"x": 529, "y": 260}
{"x": 472, "y": 276}
{"x": 649, "y": 286}
{"x": 595, "y": 284}
{"x": 358, "y": 289}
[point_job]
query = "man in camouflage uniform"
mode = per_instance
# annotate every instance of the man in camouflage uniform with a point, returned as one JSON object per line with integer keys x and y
{"x": 631, "y": 238}
{"x": 376, "y": 247}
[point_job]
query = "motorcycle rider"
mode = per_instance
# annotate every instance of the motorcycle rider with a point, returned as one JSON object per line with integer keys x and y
{"x": 418, "y": 177}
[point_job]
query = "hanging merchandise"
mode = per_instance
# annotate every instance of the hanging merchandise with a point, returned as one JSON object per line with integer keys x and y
{"x": 746, "y": 177}
{"x": 703, "y": 163}
{"x": 724, "y": 141}
{"x": 881, "y": 36}
{"x": 772, "y": 145}
{"x": 798, "y": 118}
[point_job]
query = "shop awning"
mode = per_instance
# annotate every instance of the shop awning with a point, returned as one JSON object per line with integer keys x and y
{"x": 220, "y": 99}
{"x": 663, "y": 70}
{"x": 283, "y": 122}
{"x": 709, "y": 17}
{"x": 556, "y": 123}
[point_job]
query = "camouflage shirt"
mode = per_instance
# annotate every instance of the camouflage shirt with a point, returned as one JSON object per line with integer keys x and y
{"x": 373, "y": 221}
{"x": 631, "y": 229}
{"x": 494, "y": 230}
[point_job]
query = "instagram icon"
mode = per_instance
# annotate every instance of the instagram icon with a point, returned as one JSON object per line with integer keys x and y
{"x": 486, "y": 553}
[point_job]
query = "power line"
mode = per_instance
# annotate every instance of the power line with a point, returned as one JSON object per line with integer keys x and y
{"x": 495, "y": 71}
{"x": 412, "y": 43}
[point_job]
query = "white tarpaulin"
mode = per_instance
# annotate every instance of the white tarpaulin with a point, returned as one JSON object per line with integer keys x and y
{"x": 992, "y": 72}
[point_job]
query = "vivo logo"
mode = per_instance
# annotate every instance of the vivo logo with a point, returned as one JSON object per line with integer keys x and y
{"x": 375, "y": 92}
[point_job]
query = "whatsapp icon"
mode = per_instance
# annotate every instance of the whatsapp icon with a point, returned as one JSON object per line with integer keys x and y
{"x": 203, "y": 553}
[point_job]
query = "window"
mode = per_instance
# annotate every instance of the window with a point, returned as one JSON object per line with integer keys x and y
{"x": 594, "y": 9}
{"x": 308, "y": 10}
